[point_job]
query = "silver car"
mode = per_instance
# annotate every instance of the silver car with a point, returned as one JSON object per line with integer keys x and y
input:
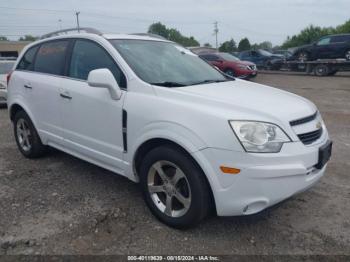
{"x": 5, "y": 67}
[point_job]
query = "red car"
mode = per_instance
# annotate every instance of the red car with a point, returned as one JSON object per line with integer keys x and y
{"x": 231, "y": 65}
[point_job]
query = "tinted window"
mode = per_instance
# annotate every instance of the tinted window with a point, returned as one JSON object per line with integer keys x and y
{"x": 209, "y": 57}
{"x": 88, "y": 56}
{"x": 51, "y": 57}
{"x": 324, "y": 41}
{"x": 26, "y": 62}
{"x": 339, "y": 39}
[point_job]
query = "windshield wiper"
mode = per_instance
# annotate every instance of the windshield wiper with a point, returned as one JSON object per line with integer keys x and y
{"x": 209, "y": 81}
{"x": 168, "y": 84}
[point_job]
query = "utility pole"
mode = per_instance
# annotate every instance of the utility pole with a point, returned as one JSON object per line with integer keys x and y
{"x": 216, "y": 31}
{"x": 77, "y": 14}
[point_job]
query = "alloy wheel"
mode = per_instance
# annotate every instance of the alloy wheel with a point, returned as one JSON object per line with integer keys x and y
{"x": 23, "y": 134}
{"x": 169, "y": 188}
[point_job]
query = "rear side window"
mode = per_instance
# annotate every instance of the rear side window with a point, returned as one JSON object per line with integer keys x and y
{"x": 88, "y": 56}
{"x": 51, "y": 57}
{"x": 210, "y": 57}
{"x": 27, "y": 60}
{"x": 340, "y": 39}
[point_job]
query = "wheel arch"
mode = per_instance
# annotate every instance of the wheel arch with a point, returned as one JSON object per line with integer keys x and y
{"x": 152, "y": 143}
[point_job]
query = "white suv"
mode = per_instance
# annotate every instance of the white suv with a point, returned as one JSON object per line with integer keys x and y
{"x": 152, "y": 111}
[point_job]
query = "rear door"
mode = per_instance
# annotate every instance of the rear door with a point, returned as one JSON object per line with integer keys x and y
{"x": 339, "y": 45}
{"x": 323, "y": 48}
{"x": 44, "y": 86}
{"x": 92, "y": 120}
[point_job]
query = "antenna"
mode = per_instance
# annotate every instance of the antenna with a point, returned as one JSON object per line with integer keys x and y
{"x": 77, "y": 14}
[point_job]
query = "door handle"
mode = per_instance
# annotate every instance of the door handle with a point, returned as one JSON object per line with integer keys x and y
{"x": 65, "y": 96}
{"x": 28, "y": 86}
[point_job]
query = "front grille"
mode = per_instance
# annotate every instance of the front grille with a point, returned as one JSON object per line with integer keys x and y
{"x": 303, "y": 120}
{"x": 252, "y": 67}
{"x": 310, "y": 137}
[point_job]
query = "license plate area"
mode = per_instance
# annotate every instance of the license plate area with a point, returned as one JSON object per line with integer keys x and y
{"x": 324, "y": 154}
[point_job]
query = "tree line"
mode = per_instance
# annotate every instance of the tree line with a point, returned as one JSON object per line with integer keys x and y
{"x": 306, "y": 36}
{"x": 312, "y": 33}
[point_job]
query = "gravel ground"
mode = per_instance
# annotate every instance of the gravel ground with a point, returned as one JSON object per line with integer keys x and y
{"x": 62, "y": 205}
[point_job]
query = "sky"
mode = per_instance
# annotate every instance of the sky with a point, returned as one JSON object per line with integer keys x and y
{"x": 259, "y": 20}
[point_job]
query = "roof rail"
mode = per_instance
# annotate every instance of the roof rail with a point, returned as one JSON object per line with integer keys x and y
{"x": 150, "y": 35}
{"x": 65, "y": 31}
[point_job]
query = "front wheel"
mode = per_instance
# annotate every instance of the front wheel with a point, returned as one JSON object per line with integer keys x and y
{"x": 174, "y": 187}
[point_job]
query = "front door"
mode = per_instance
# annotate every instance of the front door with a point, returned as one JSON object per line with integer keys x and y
{"x": 92, "y": 120}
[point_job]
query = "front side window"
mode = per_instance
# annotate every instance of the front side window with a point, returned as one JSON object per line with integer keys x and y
{"x": 324, "y": 41}
{"x": 165, "y": 63}
{"x": 51, "y": 57}
{"x": 27, "y": 60}
{"x": 88, "y": 56}
{"x": 229, "y": 57}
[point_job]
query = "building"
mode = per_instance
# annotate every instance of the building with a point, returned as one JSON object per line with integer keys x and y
{"x": 12, "y": 48}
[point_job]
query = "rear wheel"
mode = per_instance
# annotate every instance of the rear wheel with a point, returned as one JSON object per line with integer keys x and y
{"x": 332, "y": 73}
{"x": 347, "y": 55}
{"x": 174, "y": 187}
{"x": 27, "y": 138}
{"x": 321, "y": 70}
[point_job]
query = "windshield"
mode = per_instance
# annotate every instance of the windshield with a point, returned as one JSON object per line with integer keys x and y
{"x": 265, "y": 53}
{"x": 165, "y": 63}
{"x": 229, "y": 57}
{"x": 6, "y": 67}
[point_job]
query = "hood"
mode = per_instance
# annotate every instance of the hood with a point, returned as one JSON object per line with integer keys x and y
{"x": 278, "y": 56}
{"x": 242, "y": 62}
{"x": 302, "y": 47}
{"x": 250, "y": 100}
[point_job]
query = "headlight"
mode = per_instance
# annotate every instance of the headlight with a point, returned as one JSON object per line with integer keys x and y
{"x": 259, "y": 137}
{"x": 243, "y": 67}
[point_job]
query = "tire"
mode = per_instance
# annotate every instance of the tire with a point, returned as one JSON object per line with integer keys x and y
{"x": 230, "y": 72}
{"x": 332, "y": 73}
{"x": 191, "y": 187}
{"x": 303, "y": 56}
{"x": 347, "y": 55}
{"x": 321, "y": 70}
{"x": 27, "y": 138}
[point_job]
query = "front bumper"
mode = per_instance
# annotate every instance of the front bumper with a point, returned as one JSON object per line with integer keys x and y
{"x": 248, "y": 75}
{"x": 264, "y": 180}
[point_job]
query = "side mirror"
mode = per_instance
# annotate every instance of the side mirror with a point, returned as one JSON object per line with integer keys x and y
{"x": 103, "y": 78}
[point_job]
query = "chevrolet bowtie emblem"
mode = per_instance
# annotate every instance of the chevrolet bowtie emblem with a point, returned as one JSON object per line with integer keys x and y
{"x": 318, "y": 125}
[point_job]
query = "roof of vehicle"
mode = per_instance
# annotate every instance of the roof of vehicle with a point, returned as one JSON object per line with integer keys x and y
{"x": 87, "y": 31}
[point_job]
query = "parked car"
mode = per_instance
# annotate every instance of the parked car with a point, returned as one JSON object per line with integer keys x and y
{"x": 327, "y": 47}
{"x": 5, "y": 68}
{"x": 154, "y": 112}
{"x": 231, "y": 65}
{"x": 286, "y": 53}
{"x": 263, "y": 59}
